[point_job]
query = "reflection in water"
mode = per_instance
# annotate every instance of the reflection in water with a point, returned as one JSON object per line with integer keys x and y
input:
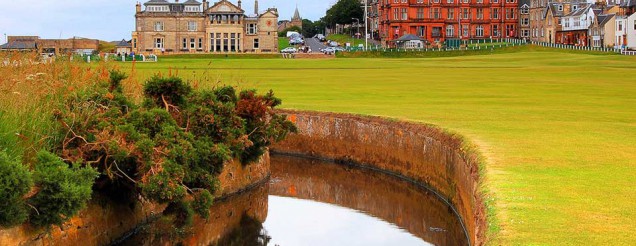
{"x": 316, "y": 203}
{"x": 388, "y": 198}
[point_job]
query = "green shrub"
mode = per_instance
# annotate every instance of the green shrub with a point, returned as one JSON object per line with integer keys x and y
{"x": 172, "y": 148}
{"x": 64, "y": 190}
{"x": 15, "y": 182}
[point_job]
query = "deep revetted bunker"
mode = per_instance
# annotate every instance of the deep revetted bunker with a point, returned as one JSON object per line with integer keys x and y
{"x": 421, "y": 153}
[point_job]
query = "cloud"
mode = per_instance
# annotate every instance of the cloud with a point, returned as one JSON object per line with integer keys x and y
{"x": 110, "y": 19}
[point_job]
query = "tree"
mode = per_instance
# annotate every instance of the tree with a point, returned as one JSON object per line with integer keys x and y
{"x": 343, "y": 12}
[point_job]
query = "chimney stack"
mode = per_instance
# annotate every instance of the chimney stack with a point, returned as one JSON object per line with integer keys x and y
{"x": 138, "y": 7}
{"x": 256, "y": 7}
{"x": 205, "y": 5}
{"x": 239, "y": 4}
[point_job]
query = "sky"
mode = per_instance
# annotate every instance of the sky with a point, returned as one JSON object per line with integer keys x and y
{"x": 111, "y": 20}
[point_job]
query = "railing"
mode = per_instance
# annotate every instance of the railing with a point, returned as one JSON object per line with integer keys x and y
{"x": 584, "y": 48}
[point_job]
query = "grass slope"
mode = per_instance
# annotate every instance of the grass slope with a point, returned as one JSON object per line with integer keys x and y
{"x": 558, "y": 129}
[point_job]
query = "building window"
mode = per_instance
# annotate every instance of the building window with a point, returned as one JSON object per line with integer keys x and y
{"x": 495, "y": 30}
{"x": 451, "y": 14}
{"x": 634, "y": 24}
{"x": 159, "y": 43}
{"x": 134, "y": 43}
{"x": 184, "y": 45}
{"x": 450, "y": 31}
{"x": 159, "y": 26}
{"x": 256, "y": 44}
{"x": 251, "y": 28}
{"x": 396, "y": 13}
{"x": 200, "y": 43}
{"x": 479, "y": 31}
{"x": 192, "y": 43}
{"x": 436, "y": 13}
{"x": 192, "y": 26}
{"x": 420, "y": 13}
{"x": 465, "y": 30}
{"x": 421, "y": 31}
{"x": 405, "y": 15}
{"x": 525, "y": 22}
{"x": 524, "y": 11}
{"x": 560, "y": 7}
{"x": 525, "y": 33}
{"x": 495, "y": 13}
{"x": 437, "y": 32}
{"x": 510, "y": 13}
{"x": 510, "y": 30}
{"x": 480, "y": 13}
{"x": 465, "y": 14}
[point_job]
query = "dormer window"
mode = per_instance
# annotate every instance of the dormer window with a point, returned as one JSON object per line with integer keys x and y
{"x": 574, "y": 7}
{"x": 157, "y": 9}
{"x": 560, "y": 7}
{"x": 192, "y": 9}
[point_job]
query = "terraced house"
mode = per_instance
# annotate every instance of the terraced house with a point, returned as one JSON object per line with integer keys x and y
{"x": 440, "y": 20}
{"x": 164, "y": 27}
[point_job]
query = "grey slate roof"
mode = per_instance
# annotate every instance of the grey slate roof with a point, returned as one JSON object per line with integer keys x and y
{"x": 580, "y": 11}
{"x": 522, "y": 2}
{"x": 603, "y": 19}
{"x": 409, "y": 37}
{"x": 554, "y": 8}
{"x": 628, "y": 3}
{"x": 192, "y": 2}
{"x": 123, "y": 43}
{"x": 19, "y": 45}
{"x": 155, "y": 2}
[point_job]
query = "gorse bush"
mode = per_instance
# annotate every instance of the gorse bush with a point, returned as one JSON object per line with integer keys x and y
{"x": 63, "y": 189}
{"x": 172, "y": 147}
{"x": 15, "y": 183}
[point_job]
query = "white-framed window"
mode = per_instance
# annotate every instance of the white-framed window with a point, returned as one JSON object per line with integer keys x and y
{"x": 525, "y": 33}
{"x": 495, "y": 30}
{"x": 396, "y": 13}
{"x": 450, "y": 31}
{"x": 465, "y": 30}
{"x": 451, "y": 14}
{"x": 159, "y": 43}
{"x": 134, "y": 43}
{"x": 525, "y": 22}
{"x": 192, "y": 26}
{"x": 420, "y": 13}
{"x": 200, "y": 43}
{"x": 256, "y": 44}
{"x": 184, "y": 44}
{"x": 252, "y": 28}
{"x": 560, "y": 7}
{"x": 405, "y": 15}
{"x": 495, "y": 13}
{"x": 525, "y": 11}
{"x": 479, "y": 31}
{"x": 159, "y": 26}
{"x": 192, "y": 43}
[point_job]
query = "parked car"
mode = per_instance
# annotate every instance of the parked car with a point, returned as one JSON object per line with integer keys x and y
{"x": 333, "y": 44}
{"x": 339, "y": 49}
{"x": 320, "y": 37}
{"x": 289, "y": 50}
{"x": 329, "y": 50}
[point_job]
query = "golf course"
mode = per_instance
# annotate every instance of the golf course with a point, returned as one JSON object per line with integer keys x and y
{"x": 557, "y": 129}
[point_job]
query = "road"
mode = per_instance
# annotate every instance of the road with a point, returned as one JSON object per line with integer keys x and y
{"x": 314, "y": 44}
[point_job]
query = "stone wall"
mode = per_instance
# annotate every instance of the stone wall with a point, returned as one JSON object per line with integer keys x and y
{"x": 421, "y": 153}
{"x": 104, "y": 221}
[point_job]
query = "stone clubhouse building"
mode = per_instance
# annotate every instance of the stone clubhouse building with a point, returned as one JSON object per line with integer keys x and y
{"x": 164, "y": 27}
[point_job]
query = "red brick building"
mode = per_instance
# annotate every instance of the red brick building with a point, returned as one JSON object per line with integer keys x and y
{"x": 438, "y": 20}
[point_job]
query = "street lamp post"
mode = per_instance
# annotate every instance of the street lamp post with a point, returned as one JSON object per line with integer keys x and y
{"x": 366, "y": 25}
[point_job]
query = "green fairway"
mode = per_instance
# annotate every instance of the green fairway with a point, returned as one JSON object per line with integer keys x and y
{"x": 558, "y": 129}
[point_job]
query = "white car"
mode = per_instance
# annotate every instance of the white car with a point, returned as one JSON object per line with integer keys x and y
{"x": 329, "y": 50}
{"x": 289, "y": 50}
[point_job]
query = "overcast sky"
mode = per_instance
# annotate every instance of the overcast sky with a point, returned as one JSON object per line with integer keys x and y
{"x": 110, "y": 19}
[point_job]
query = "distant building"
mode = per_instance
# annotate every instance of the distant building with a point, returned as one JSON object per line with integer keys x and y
{"x": 123, "y": 47}
{"x": 52, "y": 46}
{"x": 193, "y": 27}
{"x": 296, "y": 20}
{"x": 440, "y": 20}
{"x": 524, "y": 19}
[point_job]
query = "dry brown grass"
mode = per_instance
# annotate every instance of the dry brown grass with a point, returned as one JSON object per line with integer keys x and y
{"x": 30, "y": 89}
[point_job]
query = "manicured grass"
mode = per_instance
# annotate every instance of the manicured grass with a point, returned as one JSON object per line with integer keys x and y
{"x": 558, "y": 129}
{"x": 343, "y": 39}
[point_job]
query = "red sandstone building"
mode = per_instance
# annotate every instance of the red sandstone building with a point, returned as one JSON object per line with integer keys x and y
{"x": 439, "y": 20}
